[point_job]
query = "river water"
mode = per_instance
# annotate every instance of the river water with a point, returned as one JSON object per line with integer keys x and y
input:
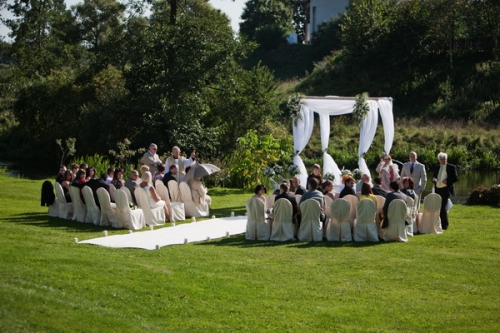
{"x": 468, "y": 180}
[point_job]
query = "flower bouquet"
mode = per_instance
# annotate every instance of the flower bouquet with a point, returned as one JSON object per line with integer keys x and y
{"x": 329, "y": 176}
{"x": 356, "y": 174}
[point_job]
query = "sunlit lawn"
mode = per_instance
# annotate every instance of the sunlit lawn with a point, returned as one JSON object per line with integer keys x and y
{"x": 434, "y": 283}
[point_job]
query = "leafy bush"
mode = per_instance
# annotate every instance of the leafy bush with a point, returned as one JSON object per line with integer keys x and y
{"x": 483, "y": 196}
{"x": 99, "y": 162}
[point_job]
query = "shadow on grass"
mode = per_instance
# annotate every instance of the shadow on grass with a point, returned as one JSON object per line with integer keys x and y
{"x": 240, "y": 241}
{"x": 43, "y": 220}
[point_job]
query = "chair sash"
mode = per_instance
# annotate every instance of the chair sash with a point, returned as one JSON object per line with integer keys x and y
{"x": 108, "y": 209}
{"x": 65, "y": 208}
{"x": 257, "y": 226}
{"x": 79, "y": 208}
{"x": 396, "y": 230}
{"x": 365, "y": 229}
{"x": 430, "y": 221}
{"x": 93, "y": 212}
{"x": 126, "y": 217}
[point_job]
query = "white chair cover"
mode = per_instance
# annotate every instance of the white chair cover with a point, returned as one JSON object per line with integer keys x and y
{"x": 417, "y": 213}
{"x": 128, "y": 193}
{"x": 54, "y": 208}
{"x": 283, "y": 227}
{"x": 352, "y": 213}
{"x": 380, "y": 205}
{"x": 270, "y": 201}
{"x": 153, "y": 216}
{"x": 112, "y": 190}
{"x": 410, "y": 215}
{"x": 310, "y": 225}
{"x": 190, "y": 207}
{"x": 108, "y": 209}
{"x": 297, "y": 198}
{"x": 93, "y": 212}
{"x": 79, "y": 208}
{"x": 176, "y": 210}
{"x": 339, "y": 228}
{"x": 365, "y": 229}
{"x": 132, "y": 219}
{"x": 257, "y": 226}
{"x": 65, "y": 208}
{"x": 173, "y": 188}
{"x": 430, "y": 222}
{"x": 328, "y": 203}
{"x": 396, "y": 231}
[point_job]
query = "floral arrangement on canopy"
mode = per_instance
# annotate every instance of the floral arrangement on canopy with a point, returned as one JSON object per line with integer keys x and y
{"x": 293, "y": 106}
{"x": 361, "y": 108}
{"x": 329, "y": 176}
{"x": 277, "y": 174}
{"x": 355, "y": 174}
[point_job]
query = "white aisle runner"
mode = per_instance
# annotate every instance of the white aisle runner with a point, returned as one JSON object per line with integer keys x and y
{"x": 180, "y": 234}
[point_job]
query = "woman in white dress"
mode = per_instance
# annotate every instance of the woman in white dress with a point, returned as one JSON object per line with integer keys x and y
{"x": 387, "y": 171}
{"x": 153, "y": 197}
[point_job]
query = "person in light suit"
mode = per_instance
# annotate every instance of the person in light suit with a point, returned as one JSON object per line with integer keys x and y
{"x": 445, "y": 175}
{"x": 416, "y": 171}
{"x": 151, "y": 159}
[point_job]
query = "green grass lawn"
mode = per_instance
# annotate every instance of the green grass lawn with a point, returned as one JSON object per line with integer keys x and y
{"x": 434, "y": 283}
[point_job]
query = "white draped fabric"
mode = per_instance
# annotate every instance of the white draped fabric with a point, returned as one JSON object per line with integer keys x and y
{"x": 326, "y": 107}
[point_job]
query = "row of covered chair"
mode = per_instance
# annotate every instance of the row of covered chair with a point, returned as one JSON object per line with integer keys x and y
{"x": 347, "y": 219}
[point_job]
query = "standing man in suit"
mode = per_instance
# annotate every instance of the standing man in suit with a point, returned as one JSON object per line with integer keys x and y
{"x": 445, "y": 175}
{"x": 416, "y": 171}
{"x": 151, "y": 159}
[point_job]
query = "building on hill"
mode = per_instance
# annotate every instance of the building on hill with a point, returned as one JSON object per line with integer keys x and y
{"x": 320, "y": 11}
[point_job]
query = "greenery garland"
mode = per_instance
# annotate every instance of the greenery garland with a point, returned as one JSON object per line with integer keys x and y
{"x": 293, "y": 107}
{"x": 361, "y": 107}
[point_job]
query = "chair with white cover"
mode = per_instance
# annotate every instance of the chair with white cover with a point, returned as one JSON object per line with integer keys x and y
{"x": 79, "y": 208}
{"x": 283, "y": 227}
{"x": 93, "y": 212}
{"x": 191, "y": 209}
{"x": 128, "y": 193}
{"x": 430, "y": 222}
{"x": 257, "y": 226}
{"x": 396, "y": 230}
{"x": 153, "y": 216}
{"x": 410, "y": 215}
{"x": 352, "y": 213}
{"x": 49, "y": 199}
{"x": 270, "y": 201}
{"x": 108, "y": 208}
{"x": 173, "y": 189}
{"x": 132, "y": 219}
{"x": 310, "y": 224}
{"x": 339, "y": 228}
{"x": 328, "y": 203}
{"x": 176, "y": 209}
{"x": 416, "y": 210}
{"x": 112, "y": 190}
{"x": 380, "y": 205}
{"x": 297, "y": 198}
{"x": 365, "y": 229}
{"x": 65, "y": 208}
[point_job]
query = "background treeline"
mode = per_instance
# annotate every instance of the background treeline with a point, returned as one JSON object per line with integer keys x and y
{"x": 103, "y": 72}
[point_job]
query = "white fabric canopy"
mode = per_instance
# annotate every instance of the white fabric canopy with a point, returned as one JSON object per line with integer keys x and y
{"x": 326, "y": 107}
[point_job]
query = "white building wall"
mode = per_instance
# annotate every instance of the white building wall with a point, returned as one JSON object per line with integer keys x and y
{"x": 322, "y": 11}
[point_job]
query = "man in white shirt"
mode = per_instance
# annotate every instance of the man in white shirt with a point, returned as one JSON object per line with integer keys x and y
{"x": 151, "y": 159}
{"x": 181, "y": 162}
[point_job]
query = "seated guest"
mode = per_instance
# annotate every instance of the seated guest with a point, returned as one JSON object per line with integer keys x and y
{"x": 143, "y": 169}
{"x": 90, "y": 173}
{"x": 348, "y": 188}
{"x": 313, "y": 193}
{"x": 65, "y": 184}
{"x": 94, "y": 184}
{"x": 170, "y": 175}
{"x": 109, "y": 175}
{"x": 299, "y": 189}
{"x": 74, "y": 169}
{"x": 79, "y": 177}
{"x": 366, "y": 193}
{"x": 159, "y": 174}
{"x": 393, "y": 195}
{"x": 408, "y": 187}
{"x": 327, "y": 189}
{"x": 364, "y": 179}
{"x": 83, "y": 166}
{"x": 377, "y": 188}
{"x": 132, "y": 183}
{"x": 118, "y": 181}
{"x": 260, "y": 190}
{"x": 285, "y": 195}
{"x": 154, "y": 199}
{"x": 60, "y": 176}
{"x": 199, "y": 192}
{"x": 316, "y": 174}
